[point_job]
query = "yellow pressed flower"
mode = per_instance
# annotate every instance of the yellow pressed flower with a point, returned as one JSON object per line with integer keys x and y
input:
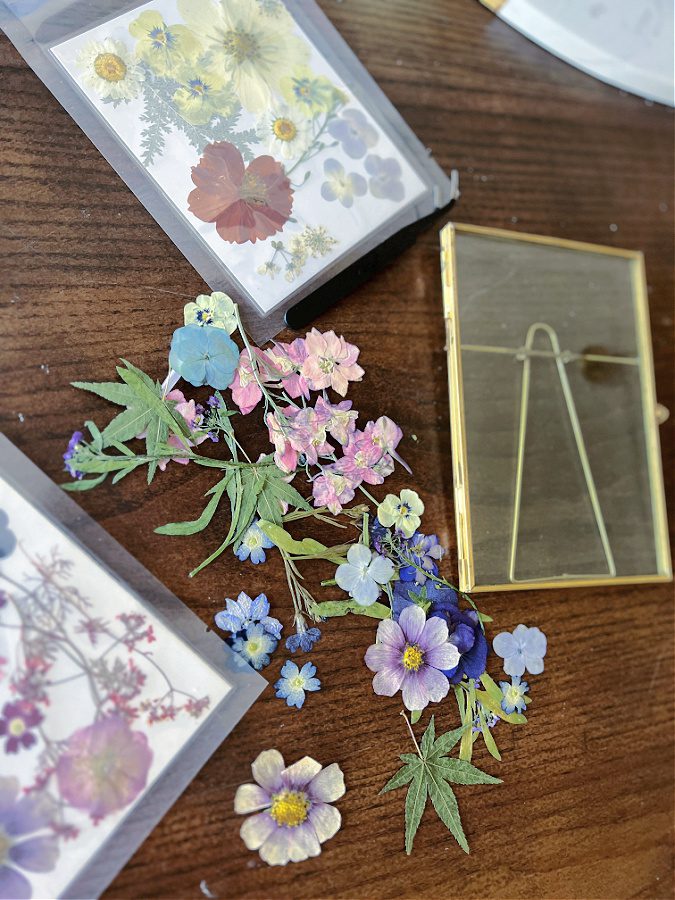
{"x": 311, "y": 93}
{"x": 215, "y": 309}
{"x": 202, "y": 95}
{"x": 163, "y": 47}
{"x": 242, "y": 44}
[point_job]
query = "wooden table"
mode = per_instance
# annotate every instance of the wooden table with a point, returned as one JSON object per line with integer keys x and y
{"x": 586, "y": 808}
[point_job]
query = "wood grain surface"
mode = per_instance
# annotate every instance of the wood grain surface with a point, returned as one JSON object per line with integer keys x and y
{"x": 586, "y": 808}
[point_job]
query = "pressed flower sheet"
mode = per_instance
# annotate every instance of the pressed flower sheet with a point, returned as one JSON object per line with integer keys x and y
{"x": 248, "y": 130}
{"x": 97, "y": 697}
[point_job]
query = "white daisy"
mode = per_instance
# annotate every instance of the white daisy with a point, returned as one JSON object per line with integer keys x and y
{"x": 285, "y": 133}
{"x": 109, "y": 68}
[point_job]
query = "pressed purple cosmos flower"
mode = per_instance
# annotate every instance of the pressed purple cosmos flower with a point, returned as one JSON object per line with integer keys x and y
{"x": 16, "y": 723}
{"x": 26, "y": 844}
{"x": 409, "y": 655}
{"x": 104, "y": 767}
{"x": 293, "y": 815}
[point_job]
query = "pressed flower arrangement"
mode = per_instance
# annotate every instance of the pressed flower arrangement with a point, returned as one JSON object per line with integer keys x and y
{"x": 430, "y": 640}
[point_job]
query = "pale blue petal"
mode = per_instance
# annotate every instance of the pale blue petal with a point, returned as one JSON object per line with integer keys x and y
{"x": 504, "y": 645}
{"x": 514, "y": 665}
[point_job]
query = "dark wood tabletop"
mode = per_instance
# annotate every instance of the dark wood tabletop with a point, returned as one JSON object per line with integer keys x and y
{"x": 586, "y": 807}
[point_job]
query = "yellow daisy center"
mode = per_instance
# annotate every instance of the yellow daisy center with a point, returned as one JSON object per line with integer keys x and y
{"x": 412, "y": 657}
{"x": 16, "y": 727}
{"x": 289, "y": 808}
{"x": 284, "y": 129}
{"x": 241, "y": 45}
{"x": 110, "y": 67}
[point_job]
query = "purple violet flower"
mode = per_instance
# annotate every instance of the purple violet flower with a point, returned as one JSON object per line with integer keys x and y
{"x": 410, "y": 655}
{"x": 26, "y": 841}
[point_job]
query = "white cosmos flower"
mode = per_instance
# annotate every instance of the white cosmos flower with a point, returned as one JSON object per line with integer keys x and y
{"x": 247, "y": 47}
{"x": 285, "y": 133}
{"x": 364, "y": 573}
{"x": 110, "y": 69}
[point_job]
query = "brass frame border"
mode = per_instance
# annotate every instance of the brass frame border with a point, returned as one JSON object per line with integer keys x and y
{"x": 458, "y": 425}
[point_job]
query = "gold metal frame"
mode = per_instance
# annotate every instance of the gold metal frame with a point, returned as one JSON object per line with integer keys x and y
{"x": 458, "y": 428}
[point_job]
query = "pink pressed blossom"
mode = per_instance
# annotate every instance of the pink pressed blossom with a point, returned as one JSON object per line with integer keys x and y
{"x": 333, "y": 489}
{"x": 245, "y": 388}
{"x": 285, "y": 456}
{"x": 288, "y": 360}
{"x": 308, "y": 435}
{"x": 340, "y": 418}
{"x": 361, "y": 457}
{"x": 187, "y": 409}
{"x": 330, "y": 362}
{"x": 103, "y": 767}
{"x": 386, "y": 434}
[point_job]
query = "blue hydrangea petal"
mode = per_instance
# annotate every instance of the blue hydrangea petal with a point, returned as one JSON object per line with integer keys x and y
{"x": 505, "y": 645}
{"x": 290, "y": 669}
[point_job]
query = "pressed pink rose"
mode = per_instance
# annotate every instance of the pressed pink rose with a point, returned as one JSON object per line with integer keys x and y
{"x": 246, "y": 203}
{"x": 330, "y": 362}
{"x": 104, "y": 767}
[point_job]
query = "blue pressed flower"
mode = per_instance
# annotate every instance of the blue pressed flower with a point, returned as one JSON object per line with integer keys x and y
{"x": 523, "y": 648}
{"x": 385, "y": 180}
{"x": 243, "y": 612}
{"x": 514, "y": 694}
{"x": 74, "y": 445}
{"x": 489, "y": 718}
{"x": 253, "y": 545}
{"x": 303, "y": 640}
{"x": 28, "y": 842}
{"x": 255, "y": 646}
{"x": 294, "y": 682}
{"x": 204, "y": 355}
{"x": 423, "y": 551}
{"x": 354, "y": 131}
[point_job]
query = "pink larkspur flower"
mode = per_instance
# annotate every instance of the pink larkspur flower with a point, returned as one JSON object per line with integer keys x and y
{"x": 104, "y": 767}
{"x": 360, "y": 460}
{"x": 244, "y": 387}
{"x": 409, "y": 655}
{"x": 340, "y": 418}
{"x": 193, "y": 419}
{"x": 288, "y": 360}
{"x": 307, "y": 435}
{"x": 333, "y": 489}
{"x": 285, "y": 455}
{"x": 386, "y": 434}
{"x": 330, "y": 362}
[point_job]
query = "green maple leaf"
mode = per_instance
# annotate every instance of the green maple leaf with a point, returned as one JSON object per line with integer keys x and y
{"x": 430, "y": 774}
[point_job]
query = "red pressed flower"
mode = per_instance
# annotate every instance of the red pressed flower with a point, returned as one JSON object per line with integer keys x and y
{"x": 247, "y": 203}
